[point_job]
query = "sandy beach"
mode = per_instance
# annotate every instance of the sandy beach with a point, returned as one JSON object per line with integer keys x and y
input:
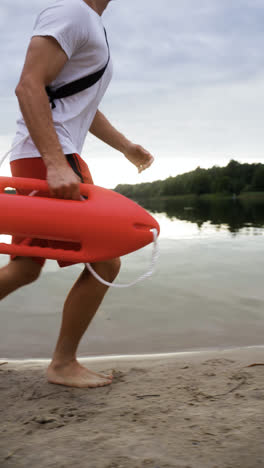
{"x": 186, "y": 410}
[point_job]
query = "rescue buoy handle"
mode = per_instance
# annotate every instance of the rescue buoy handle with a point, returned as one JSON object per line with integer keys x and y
{"x": 21, "y": 183}
{"x": 36, "y": 185}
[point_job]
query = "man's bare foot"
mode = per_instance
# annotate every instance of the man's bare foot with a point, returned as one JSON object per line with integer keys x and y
{"x": 74, "y": 374}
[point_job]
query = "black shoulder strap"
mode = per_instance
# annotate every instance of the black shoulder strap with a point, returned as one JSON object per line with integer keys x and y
{"x": 79, "y": 85}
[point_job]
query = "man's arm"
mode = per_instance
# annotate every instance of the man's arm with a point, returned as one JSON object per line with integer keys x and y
{"x": 102, "y": 129}
{"x": 45, "y": 59}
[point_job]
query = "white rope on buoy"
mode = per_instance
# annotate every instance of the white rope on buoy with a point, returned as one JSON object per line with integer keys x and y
{"x": 154, "y": 258}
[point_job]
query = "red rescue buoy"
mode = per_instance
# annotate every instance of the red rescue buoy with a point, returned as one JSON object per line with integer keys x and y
{"x": 105, "y": 226}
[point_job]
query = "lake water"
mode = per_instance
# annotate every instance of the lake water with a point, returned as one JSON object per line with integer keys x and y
{"x": 207, "y": 291}
{"x": 199, "y": 219}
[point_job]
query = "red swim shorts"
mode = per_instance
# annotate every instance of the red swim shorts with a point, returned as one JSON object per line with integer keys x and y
{"x": 34, "y": 168}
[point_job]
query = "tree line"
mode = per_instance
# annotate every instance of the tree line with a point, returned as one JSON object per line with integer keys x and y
{"x": 231, "y": 179}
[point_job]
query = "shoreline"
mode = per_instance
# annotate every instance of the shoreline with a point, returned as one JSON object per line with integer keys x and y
{"x": 142, "y": 357}
{"x": 192, "y": 197}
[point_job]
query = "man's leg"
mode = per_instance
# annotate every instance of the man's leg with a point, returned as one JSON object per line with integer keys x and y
{"x": 79, "y": 309}
{"x": 17, "y": 273}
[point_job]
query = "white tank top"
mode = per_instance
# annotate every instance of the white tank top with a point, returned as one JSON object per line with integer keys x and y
{"x": 80, "y": 32}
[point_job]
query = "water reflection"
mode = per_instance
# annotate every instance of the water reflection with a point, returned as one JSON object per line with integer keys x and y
{"x": 233, "y": 215}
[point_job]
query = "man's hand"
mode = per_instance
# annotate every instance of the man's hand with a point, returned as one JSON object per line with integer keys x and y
{"x": 103, "y": 130}
{"x": 138, "y": 156}
{"x": 63, "y": 183}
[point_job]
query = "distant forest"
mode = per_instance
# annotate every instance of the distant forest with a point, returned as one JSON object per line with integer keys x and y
{"x": 232, "y": 179}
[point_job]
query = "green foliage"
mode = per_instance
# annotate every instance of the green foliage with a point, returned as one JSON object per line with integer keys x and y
{"x": 258, "y": 178}
{"x": 230, "y": 180}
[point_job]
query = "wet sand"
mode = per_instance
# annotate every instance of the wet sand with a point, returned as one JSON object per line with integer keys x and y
{"x": 202, "y": 410}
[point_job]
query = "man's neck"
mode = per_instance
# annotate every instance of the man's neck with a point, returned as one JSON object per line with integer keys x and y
{"x": 97, "y": 5}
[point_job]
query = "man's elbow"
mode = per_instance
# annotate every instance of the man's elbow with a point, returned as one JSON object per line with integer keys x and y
{"x": 18, "y": 89}
{"x": 27, "y": 86}
{"x": 21, "y": 87}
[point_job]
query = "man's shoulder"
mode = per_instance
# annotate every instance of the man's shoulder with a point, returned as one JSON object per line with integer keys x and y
{"x": 74, "y": 9}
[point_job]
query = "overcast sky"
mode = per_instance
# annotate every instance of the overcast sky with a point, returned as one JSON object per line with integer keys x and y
{"x": 188, "y": 81}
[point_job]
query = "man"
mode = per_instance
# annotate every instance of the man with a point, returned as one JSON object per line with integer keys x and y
{"x": 68, "y": 42}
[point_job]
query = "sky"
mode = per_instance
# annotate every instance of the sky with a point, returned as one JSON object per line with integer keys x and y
{"x": 188, "y": 83}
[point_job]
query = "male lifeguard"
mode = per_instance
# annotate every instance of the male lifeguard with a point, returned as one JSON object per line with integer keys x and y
{"x": 68, "y": 42}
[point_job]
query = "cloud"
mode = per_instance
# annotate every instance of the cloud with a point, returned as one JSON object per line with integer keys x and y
{"x": 187, "y": 42}
{"x": 188, "y": 75}
{"x": 178, "y": 42}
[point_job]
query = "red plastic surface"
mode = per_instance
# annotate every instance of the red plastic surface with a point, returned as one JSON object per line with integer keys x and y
{"x": 107, "y": 225}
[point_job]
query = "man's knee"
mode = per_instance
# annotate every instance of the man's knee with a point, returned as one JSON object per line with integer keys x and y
{"x": 32, "y": 275}
{"x": 114, "y": 266}
{"x": 108, "y": 269}
{"x": 26, "y": 269}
